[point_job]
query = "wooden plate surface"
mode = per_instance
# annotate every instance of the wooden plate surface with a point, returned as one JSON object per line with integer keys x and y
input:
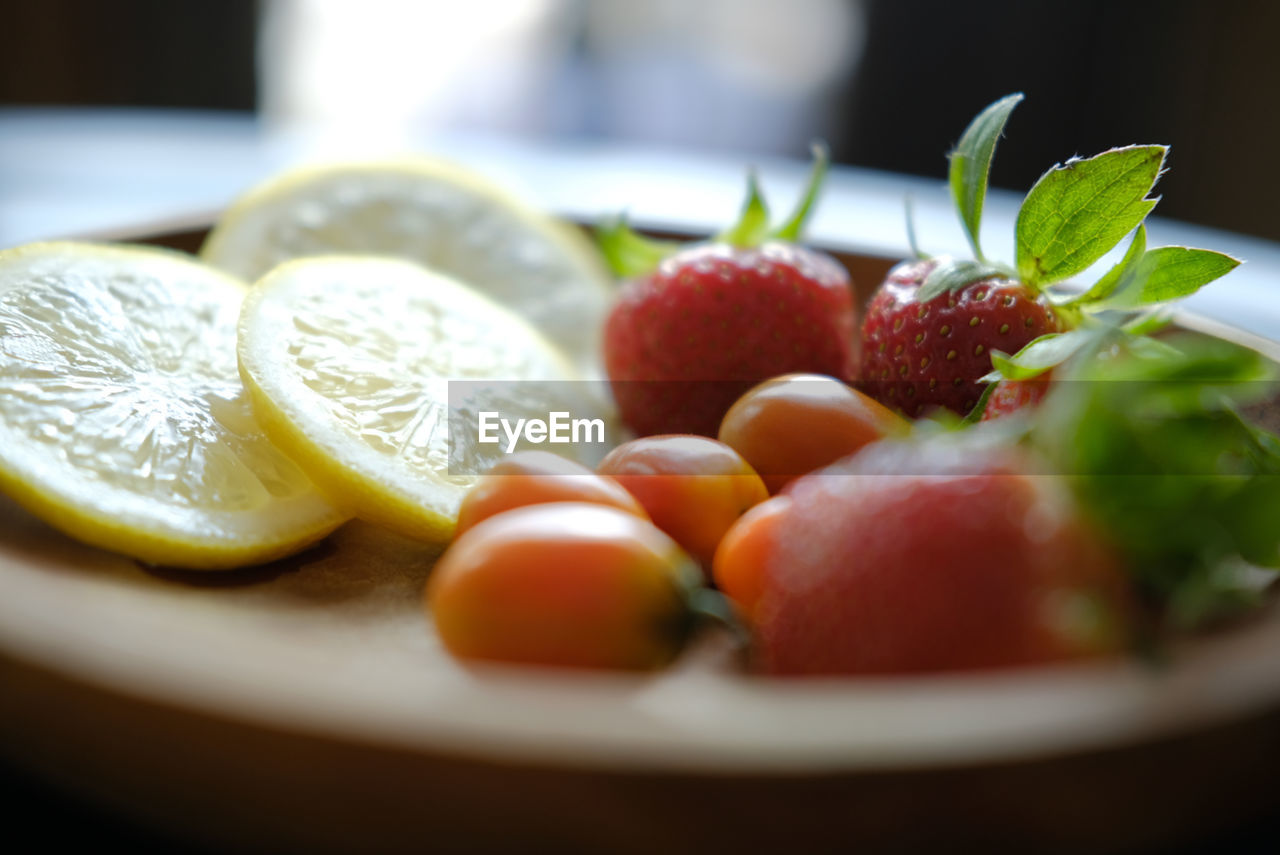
{"x": 307, "y": 705}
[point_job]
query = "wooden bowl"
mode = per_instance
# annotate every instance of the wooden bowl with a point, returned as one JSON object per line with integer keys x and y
{"x": 306, "y": 706}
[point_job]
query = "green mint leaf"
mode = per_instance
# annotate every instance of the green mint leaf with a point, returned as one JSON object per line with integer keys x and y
{"x": 753, "y": 222}
{"x": 1041, "y": 354}
{"x": 1149, "y": 435}
{"x": 1151, "y": 348}
{"x": 1218, "y": 592}
{"x": 793, "y": 229}
{"x": 1120, "y": 273}
{"x": 1183, "y": 373}
{"x": 1168, "y": 273}
{"x": 630, "y": 254}
{"x": 971, "y": 165}
{"x": 1148, "y": 323}
{"x": 1078, "y": 211}
{"x": 952, "y": 274}
{"x": 908, "y": 210}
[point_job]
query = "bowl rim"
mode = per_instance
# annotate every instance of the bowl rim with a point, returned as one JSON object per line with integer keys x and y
{"x": 681, "y": 720}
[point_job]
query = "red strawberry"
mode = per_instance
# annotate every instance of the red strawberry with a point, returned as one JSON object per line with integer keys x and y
{"x": 925, "y": 556}
{"x": 932, "y": 328}
{"x": 691, "y": 331}
{"x": 916, "y": 356}
{"x": 1009, "y": 396}
{"x": 683, "y": 343}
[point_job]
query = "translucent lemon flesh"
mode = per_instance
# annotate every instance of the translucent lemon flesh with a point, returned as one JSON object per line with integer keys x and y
{"x": 432, "y": 213}
{"x": 124, "y": 419}
{"x": 349, "y": 361}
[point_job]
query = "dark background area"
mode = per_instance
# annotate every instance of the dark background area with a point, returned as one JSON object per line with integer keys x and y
{"x": 146, "y": 53}
{"x": 1201, "y": 76}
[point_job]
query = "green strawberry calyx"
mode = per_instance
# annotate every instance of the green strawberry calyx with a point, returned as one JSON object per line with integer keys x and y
{"x": 1150, "y": 436}
{"x": 970, "y": 165}
{"x": 630, "y": 254}
{"x": 1076, "y": 213}
{"x": 1047, "y": 352}
{"x": 1148, "y": 431}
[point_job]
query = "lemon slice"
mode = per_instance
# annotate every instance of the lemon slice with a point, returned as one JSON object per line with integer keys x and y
{"x": 436, "y": 214}
{"x": 124, "y": 421}
{"x": 373, "y": 373}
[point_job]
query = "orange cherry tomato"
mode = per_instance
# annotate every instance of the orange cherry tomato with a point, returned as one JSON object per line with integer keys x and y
{"x": 741, "y": 561}
{"x": 536, "y": 477}
{"x": 796, "y": 423}
{"x": 693, "y": 487}
{"x": 565, "y": 584}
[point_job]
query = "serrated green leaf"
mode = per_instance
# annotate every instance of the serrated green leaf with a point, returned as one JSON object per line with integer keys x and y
{"x": 1041, "y": 354}
{"x": 971, "y": 165}
{"x": 1113, "y": 278}
{"x": 753, "y": 222}
{"x": 628, "y": 253}
{"x": 793, "y": 228}
{"x": 1078, "y": 211}
{"x": 1168, "y": 273}
{"x": 952, "y": 274}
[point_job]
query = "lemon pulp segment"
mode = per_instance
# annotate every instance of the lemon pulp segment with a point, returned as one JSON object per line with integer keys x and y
{"x": 124, "y": 419}
{"x": 433, "y": 213}
{"x": 349, "y": 361}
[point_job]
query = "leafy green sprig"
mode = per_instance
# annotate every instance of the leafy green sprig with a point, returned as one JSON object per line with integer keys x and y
{"x": 1150, "y": 435}
{"x": 1148, "y": 430}
{"x": 1076, "y": 213}
{"x": 630, "y": 254}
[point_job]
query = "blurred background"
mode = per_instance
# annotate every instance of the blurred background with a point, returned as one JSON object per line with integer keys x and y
{"x": 122, "y": 111}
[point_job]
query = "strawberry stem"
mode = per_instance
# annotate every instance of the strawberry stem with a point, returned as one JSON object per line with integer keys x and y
{"x": 753, "y": 222}
{"x": 628, "y": 253}
{"x": 793, "y": 228}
